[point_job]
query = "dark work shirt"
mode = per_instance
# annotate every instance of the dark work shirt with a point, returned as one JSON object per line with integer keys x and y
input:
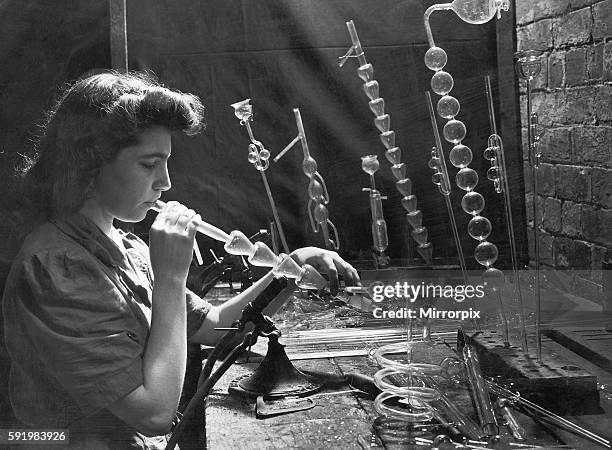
{"x": 77, "y": 313}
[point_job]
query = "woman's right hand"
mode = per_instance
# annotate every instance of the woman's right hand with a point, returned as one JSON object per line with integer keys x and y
{"x": 171, "y": 241}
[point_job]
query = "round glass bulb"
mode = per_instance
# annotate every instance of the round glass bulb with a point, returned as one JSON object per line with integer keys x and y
{"x": 460, "y": 156}
{"x": 493, "y": 278}
{"x": 448, "y": 107}
{"x": 486, "y": 253}
{"x": 489, "y": 153}
{"x": 370, "y": 164}
{"x": 435, "y": 58}
{"x": 309, "y": 166}
{"x": 454, "y": 131}
{"x": 493, "y": 173}
{"x": 473, "y": 203}
{"x": 479, "y": 228}
{"x": 437, "y": 178}
{"x": 264, "y": 154}
{"x": 466, "y": 179}
{"x": 442, "y": 82}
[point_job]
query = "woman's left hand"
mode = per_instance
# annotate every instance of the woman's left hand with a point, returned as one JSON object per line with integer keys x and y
{"x": 330, "y": 263}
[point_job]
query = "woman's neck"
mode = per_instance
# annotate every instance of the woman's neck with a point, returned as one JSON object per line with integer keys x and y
{"x": 97, "y": 215}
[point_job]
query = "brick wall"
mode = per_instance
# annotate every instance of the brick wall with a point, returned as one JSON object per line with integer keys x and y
{"x": 573, "y": 98}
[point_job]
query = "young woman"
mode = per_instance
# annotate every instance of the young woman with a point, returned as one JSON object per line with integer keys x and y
{"x": 96, "y": 323}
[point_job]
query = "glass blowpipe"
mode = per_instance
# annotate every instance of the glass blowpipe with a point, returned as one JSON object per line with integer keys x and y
{"x": 259, "y": 254}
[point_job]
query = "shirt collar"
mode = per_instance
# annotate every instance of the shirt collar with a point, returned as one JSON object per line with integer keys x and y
{"x": 86, "y": 233}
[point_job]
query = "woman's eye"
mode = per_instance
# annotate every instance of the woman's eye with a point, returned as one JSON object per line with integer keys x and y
{"x": 149, "y": 166}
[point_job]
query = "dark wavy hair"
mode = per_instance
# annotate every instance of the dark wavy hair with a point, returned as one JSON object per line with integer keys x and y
{"x": 93, "y": 119}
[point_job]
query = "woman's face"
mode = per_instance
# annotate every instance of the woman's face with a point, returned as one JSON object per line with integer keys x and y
{"x": 127, "y": 186}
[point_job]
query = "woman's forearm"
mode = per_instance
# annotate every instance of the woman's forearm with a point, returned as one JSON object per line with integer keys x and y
{"x": 224, "y": 315}
{"x": 151, "y": 408}
{"x": 165, "y": 357}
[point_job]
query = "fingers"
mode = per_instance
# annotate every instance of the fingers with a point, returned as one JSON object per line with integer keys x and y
{"x": 331, "y": 263}
{"x": 332, "y": 273}
{"x": 177, "y": 218}
{"x": 347, "y": 271}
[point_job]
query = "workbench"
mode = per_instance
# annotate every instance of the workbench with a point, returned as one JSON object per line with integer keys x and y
{"x": 345, "y": 420}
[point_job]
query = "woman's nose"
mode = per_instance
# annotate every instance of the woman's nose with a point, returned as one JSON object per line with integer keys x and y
{"x": 162, "y": 183}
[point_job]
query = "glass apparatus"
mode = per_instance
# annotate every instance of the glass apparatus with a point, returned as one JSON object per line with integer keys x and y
{"x": 414, "y": 216}
{"x": 528, "y": 66}
{"x": 499, "y": 176}
{"x": 317, "y": 191}
{"x": 454, "y": 131}
{"x": 259, "y": 254}
{"x": 380, "y": 240}
{"x": 259, "y": 156}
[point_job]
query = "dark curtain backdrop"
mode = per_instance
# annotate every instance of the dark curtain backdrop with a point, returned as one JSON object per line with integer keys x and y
{"x": 284, "y": 54}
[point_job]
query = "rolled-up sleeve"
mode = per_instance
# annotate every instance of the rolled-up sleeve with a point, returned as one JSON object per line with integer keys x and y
{"x": 70, "y": 315}
{"x": 197, "y": 309}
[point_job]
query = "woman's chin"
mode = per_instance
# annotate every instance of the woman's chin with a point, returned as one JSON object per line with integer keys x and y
{"x": 136, "y": 216}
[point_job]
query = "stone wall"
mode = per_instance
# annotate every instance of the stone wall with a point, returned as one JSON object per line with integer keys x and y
{"x": 573, "y": 99}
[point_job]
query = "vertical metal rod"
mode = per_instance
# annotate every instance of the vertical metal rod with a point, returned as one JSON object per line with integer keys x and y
{"x": 509, "y": 222}
{"x": 281, "y": 233}
{"x": 118, "y": 35}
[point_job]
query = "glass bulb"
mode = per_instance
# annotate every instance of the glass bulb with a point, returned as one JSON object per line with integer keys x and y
{"x": 315, "y": 190}
{"x": 426, "y": 252}
{"x": 263, "y": 256}
{"x": 383, "y": 122}
{"x": 399, "y": 171}
{"x": 377, "y": 106}
{"x": 309, "y": 166}
{"x": 409, "y": 203}
{"x": 448, "y": 107}
{"x": 371, "y": 89}
{"x": 320, "y": 213}
{"x": 466, "y": 179}
{"x": 366, "y": 72}
{"x": 388, "y": 139}
{"x": 460, "y": 156}
{"x": 479, "y": 228}
{"x": 239, "y": 244}
{"x": 415, "y": 219}
{"x": 442, "y": 82}
{"x": 437, "y": 178}
{"x": 264, "y": 154}
{"x": 420, "y": 235}
{"x": 252, "y": 157}
{"x": 370, "y": 164}
{"x": 493, "y": 173}
{"x": 489, "y": 153}
{"x": 394, "y": 155}
{"x": 404, "y": 186}
{"x": 493, "y": 278}
{"x": 454, "y": 131}
{"x": 486, "y": 254}
{"x": 435, "y": 58}
{"x": 288, "y": 268}
{"x": 473, "y": 203}
{"x": 310, "y": 279}
{"x": 434, "y": 162}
